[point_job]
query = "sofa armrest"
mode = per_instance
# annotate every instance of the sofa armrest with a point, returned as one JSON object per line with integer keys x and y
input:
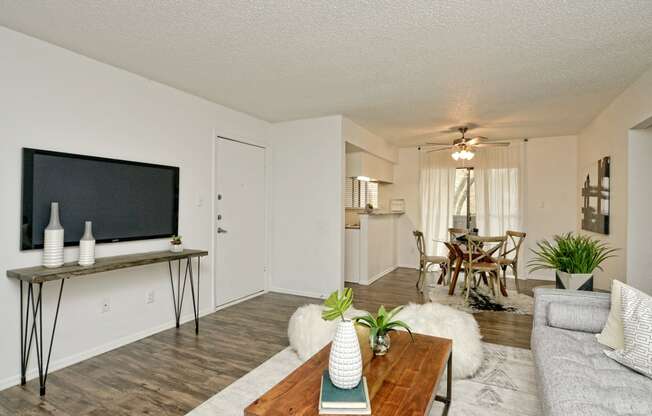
{"x": 544, "y": 296}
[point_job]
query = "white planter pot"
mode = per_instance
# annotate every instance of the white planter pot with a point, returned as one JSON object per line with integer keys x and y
{"x": 574, "y": 281}
{"x": 345, "y": 361}
{"x": 176, "y": 248}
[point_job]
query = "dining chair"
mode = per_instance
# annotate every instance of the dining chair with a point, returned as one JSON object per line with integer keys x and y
{"x": 425, "y": 261}
{"x": 509, "y": 257}
{"x": 480, "y": 259}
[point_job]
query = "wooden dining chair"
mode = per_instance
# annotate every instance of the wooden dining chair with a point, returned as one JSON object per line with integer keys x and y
{"x": 482, "y": 258}
{"x": 425, "y": 261}
{"x": 509, "y": 257}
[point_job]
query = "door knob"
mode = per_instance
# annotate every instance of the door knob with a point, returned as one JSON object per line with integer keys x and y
{"x": 221, "y": 230}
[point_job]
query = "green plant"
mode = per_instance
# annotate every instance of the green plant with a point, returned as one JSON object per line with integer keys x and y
{"x": 337, "y": 304}
{"x": 383, "y": 323}
{"x": 176, "y": 240}
{"x": 571, "y": 254}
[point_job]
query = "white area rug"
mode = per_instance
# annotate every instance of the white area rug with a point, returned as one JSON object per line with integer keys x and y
{"x": 504, "y": 385}
{"x": 481, "y": 299}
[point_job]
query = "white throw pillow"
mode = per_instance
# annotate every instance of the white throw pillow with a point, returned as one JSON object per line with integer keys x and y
{"x": 612, "y": 334}
{"x": 637, "y": 324}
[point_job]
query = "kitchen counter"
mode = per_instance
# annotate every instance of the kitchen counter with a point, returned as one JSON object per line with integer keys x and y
{"x": 352, "y": 226}
{"x": 371, "y": 247}
{"x": 382, "y": 213}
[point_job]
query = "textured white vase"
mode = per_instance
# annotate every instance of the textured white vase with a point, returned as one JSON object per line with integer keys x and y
{"x": 53, "y": 239}
{"x": 87, "y": 246}
{"x": 345, "y": 361}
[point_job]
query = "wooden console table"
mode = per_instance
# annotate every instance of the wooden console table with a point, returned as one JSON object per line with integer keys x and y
{"x": 37, "y": 276}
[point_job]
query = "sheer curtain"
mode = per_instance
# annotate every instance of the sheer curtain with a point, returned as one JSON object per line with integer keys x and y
{"x": 499, "y": 189}
{"x": 437, "y": 185}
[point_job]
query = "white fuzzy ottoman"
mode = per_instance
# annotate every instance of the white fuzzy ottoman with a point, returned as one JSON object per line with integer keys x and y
{"x": 309, "y": 333}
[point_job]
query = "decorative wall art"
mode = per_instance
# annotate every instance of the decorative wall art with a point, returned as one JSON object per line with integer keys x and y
{"x": 595, "y": 197}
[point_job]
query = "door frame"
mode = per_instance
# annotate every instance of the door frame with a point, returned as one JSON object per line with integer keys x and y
{"x": 214, "y": 224}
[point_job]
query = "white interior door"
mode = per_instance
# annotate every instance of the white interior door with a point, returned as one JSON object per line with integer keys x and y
{"x": 240, "y": 218}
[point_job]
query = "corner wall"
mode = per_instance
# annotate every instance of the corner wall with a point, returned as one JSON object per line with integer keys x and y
{"x": 607, "y": 135}
{"x": 308, "y": 206}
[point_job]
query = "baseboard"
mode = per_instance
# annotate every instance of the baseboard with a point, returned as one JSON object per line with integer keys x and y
{"x": 408, "y": 266}
{"x": 235, "y": 302}
{"x": 85, "y": 355}
{"x": 379, "y": 275}
{"x": 296, "y": 292}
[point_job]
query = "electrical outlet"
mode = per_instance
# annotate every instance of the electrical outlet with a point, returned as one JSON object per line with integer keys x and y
{"x": 149, "y": 298}
{"x": 106, "y": 305}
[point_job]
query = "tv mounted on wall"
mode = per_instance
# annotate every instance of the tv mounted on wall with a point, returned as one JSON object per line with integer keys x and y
{"x": 125, "y": 200}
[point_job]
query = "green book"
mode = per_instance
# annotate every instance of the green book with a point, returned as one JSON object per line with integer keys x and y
{"x": 335, "y": 398}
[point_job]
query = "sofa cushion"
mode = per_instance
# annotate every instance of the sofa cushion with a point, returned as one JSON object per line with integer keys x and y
{"x": 637, "y": 322}
{"x": 577, "y": 378}
{"x": 613, "y": 335}
{"x": 577, "y": 317}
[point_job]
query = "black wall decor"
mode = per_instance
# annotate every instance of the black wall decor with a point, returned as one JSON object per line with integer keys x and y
{"x": 595, "y": 197}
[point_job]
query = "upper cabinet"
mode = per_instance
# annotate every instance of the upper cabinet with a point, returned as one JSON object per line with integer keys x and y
{"x": 369, "y": 166}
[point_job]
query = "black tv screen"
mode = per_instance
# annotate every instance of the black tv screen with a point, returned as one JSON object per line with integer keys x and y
{"x": 124, "y": 200}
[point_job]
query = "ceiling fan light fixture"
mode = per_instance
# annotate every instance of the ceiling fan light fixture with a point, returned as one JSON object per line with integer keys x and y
{"x": 456, "y": 155}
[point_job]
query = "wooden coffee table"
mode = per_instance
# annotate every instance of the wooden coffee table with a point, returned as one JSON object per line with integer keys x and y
{"x": 403, "y": 382}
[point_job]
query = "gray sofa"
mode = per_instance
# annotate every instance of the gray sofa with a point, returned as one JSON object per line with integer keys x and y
{"x": 575, "y": 377}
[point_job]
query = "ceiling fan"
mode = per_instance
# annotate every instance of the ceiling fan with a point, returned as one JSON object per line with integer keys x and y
{"x": 464, "y": 147}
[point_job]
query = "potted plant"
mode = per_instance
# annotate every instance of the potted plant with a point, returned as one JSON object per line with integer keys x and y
{"x": 345, "y": 361}
{"x": 380, "y": 327}
{"x": 176, "y": 246}
{"x": 574, "y": 257}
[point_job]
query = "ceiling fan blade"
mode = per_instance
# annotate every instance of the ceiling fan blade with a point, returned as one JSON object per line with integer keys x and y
{"x": 440, "y": 150}
{"x": 492, "y": 144}
{"x": 475, "y": 140}
{"x": 437, "y": 144}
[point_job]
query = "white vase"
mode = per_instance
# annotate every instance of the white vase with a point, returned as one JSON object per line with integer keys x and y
{"x": 87, "y": 246}
{"x": 345, "y": 361}
{"x": 53, "y": 239}
{"x": 176, "y": 248}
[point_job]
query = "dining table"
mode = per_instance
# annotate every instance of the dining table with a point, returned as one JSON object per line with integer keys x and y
{"x": 457, "y": 254}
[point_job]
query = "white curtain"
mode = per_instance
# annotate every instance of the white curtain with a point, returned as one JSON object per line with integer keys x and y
{"x": 437, "y": 185}
{"x": 499, "y": 189}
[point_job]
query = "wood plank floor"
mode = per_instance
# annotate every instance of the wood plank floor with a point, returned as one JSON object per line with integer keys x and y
{"x": 174, "y": 371}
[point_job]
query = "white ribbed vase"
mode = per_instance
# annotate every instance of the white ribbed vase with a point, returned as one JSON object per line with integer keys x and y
{"x": 53, "y": 239}
{"x": 87, "y": 246}
{"x": 345, "y": 361}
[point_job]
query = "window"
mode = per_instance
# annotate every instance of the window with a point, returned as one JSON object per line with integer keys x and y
{"x": 357, "y": 193}
{"x": 464, "y": 209}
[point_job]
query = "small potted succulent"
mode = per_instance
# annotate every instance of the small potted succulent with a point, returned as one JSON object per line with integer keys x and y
{"x": 380, "y": 327}
{"x": 345, "y": 361}
{"x": 574, "y": 257}
{"x": 176, "y": 246}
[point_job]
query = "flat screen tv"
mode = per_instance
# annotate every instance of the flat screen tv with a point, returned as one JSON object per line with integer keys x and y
{"x": 125, "y": 200}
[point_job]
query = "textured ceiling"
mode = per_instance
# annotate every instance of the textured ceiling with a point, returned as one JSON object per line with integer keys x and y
{"x": 404, "y": 69}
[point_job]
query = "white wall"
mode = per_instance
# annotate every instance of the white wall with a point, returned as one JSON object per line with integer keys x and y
{"x": 639, "y": 249}
{"x": 550, "y": 194}
{"x": 607, "y": 135}
{"x": 406, "y": 186}
{"x": 367, "y": 141}
{"x": 55, "y": 99}
{"x": 308, "y": 206}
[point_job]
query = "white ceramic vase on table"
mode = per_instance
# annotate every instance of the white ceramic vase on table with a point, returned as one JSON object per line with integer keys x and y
{"x": 345, "y": 361}
{"x": 53, "y": 239}
{"x": 87, "y": 246}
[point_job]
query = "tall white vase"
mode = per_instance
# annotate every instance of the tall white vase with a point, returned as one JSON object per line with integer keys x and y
{"x": 345, "y": 361}
{"x": 87, "y": 246}
{"x": 53, "y": 239}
